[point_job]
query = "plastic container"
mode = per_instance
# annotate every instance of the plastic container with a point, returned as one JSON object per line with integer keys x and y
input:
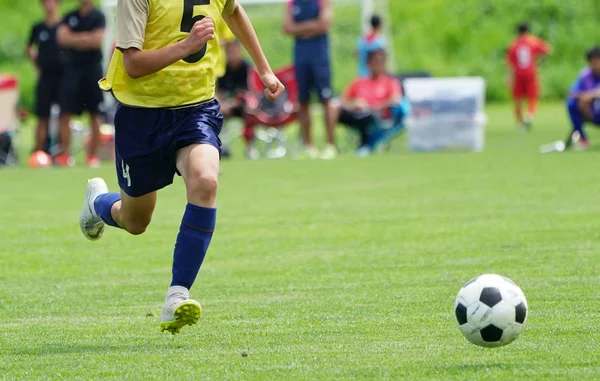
{"x": 447, "y": 113}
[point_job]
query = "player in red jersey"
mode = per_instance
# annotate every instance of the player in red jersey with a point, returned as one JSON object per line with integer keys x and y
{"x": 522, "y": 57}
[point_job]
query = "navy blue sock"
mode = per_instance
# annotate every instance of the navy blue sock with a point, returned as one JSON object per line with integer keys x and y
{"x": 193, "y": 239}
{"x": 103, "y": 204}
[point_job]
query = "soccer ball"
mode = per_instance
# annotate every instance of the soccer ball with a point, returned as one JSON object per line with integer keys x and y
{"x": 490, "y": 310}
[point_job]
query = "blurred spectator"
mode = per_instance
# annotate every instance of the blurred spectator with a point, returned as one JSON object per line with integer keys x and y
{"x": 82, "y": 32}
{"x": 231, "y": 91}
{"x": 370, "y": 98}
{"x": 583, "y": 103}
{"x": 49, "y": 61}
{"x": 371, "y": 41}
{"x": 225, "y": 36}
{"x": 309, "y": 21}
{"x": 522, "y": 56}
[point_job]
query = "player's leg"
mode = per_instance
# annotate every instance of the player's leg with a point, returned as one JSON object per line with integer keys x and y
{"x": 142, "y": 169}
{"x": 43, "y": 103}
{"x": 361, "y": 123}
{"x": 321, "y": 72}
{"x": 93, "y": 161}
{"x": 518, "y": 95}
{"x": 69, "y": 101}
{"x": 577, "y": 118}
{"x": 197, "y": 160}
{"x": 532, "y": 100}
{"x": 93, "y": 100}
{"x": 304, "y": 81}
{"x": 199, "y": 167}
{"x": 119, "y": 210}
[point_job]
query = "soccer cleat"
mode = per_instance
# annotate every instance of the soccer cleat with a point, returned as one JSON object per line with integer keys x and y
{"x": 93, "y": 161}
{"x": 64, "y": 160}
{"x": 179, "y": 310}
{"x": 329, "y": 153}
{"x": 363, "y": 151}
{"x": 91, "y": 224}
{"x": 252, "y": 153}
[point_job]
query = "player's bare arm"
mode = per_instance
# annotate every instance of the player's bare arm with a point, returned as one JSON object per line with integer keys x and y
{"x": 240, "y": 25}
{"x": 80, "y": 41}
{"x": 140, "y": 63}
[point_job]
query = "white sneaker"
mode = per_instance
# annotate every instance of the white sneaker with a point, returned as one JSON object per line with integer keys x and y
{"x": 252, "y": 153}
{"x": 179, "y": 310}
{"x": 309, "y": 152}
{"x": 91, "y": 225}
{"x": 329, "y": 153}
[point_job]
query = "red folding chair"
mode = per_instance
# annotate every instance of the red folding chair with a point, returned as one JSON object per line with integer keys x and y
{"x": 272, "y": 115}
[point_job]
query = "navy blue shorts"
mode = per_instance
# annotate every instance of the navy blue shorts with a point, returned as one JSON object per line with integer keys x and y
{"x": 313, "y": 75}
{"x": 147, "y": 141}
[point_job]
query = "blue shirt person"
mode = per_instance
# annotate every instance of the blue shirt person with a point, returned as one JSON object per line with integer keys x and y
{"x": 372, "y": 41}
{"x": 309, "y": 22}
{"x": 583, "y": 103}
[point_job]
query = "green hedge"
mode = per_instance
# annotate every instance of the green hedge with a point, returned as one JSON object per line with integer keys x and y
{"x": 469, "y": 37}
{"x": 446, "y": 37}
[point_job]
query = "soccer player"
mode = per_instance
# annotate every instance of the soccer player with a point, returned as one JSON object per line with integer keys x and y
{"x": 167, "y": 122}
{"x": 49, "y": 60}
{"x": 371, "y": 41}
{"x": 309, "y": 22}
{"x": 522, "y": 57}
{"x": 583, "y": 103}
{"x": 368, "y": 98}
{"x": 82, "y": 33}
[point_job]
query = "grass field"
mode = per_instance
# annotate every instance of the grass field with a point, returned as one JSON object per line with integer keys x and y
{"x": 319, "y": 270}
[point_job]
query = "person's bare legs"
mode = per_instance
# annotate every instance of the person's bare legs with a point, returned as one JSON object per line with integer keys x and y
{"x": 199, "y": 167}
{"x": 134, "y": 214}
{"x": 96, "y": 121}
{"x": 305, "y": 123}
{"x": 64, "y": 132}
{"x": 330, "y": 151}
{"x": 519, "y": 111}
{"x": 41, "y": 134}
{"x": 330, "y": 121}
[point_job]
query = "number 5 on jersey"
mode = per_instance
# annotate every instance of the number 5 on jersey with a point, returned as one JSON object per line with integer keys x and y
{"x": 187, "y": 23}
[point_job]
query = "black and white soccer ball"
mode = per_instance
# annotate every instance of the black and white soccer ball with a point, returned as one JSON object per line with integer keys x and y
{"x": 490, "y": 310}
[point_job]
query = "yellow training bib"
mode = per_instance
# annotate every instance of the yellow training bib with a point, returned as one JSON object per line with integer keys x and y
{"x": 186, "y": 82}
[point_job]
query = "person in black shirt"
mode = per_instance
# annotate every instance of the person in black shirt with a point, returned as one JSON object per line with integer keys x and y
{"x": 81, "y": 33}
{"x": 49, "y": 60}
{"x": 231, "y": 90}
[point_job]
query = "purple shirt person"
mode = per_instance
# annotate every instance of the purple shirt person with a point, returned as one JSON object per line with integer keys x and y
{"x": 583, "y": 102}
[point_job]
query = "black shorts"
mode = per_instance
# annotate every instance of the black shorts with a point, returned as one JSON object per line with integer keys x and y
{"x": 79, "y": 90}
{"x": 47, "y": 93}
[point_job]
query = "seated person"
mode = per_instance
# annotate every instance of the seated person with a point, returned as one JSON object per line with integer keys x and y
{"x": 583, "y": 103}
{"x": 231, "y": 92}
{"x": 370, "y": 98}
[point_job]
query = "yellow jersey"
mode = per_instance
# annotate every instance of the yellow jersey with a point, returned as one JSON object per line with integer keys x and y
{"x": 187, "y": 82}
{"x": 225, "y": 36}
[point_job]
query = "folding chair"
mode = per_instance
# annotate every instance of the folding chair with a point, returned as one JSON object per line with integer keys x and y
{"x": 271, "y": 116}
{"x": 9, "y": 121}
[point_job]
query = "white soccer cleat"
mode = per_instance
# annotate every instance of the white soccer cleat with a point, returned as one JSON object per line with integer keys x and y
{"x": 91, "y": 224}
{"x": 179, "y": 310}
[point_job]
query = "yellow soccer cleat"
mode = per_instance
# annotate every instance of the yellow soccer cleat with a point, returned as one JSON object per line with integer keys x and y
{"x": 179, "y": 310}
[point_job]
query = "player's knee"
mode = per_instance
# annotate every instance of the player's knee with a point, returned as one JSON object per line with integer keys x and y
{"x": 137, "y": 225}
{"x": 204, "y": 186}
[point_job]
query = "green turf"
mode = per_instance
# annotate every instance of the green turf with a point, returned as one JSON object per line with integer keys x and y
{"x": 319, "y": 270}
